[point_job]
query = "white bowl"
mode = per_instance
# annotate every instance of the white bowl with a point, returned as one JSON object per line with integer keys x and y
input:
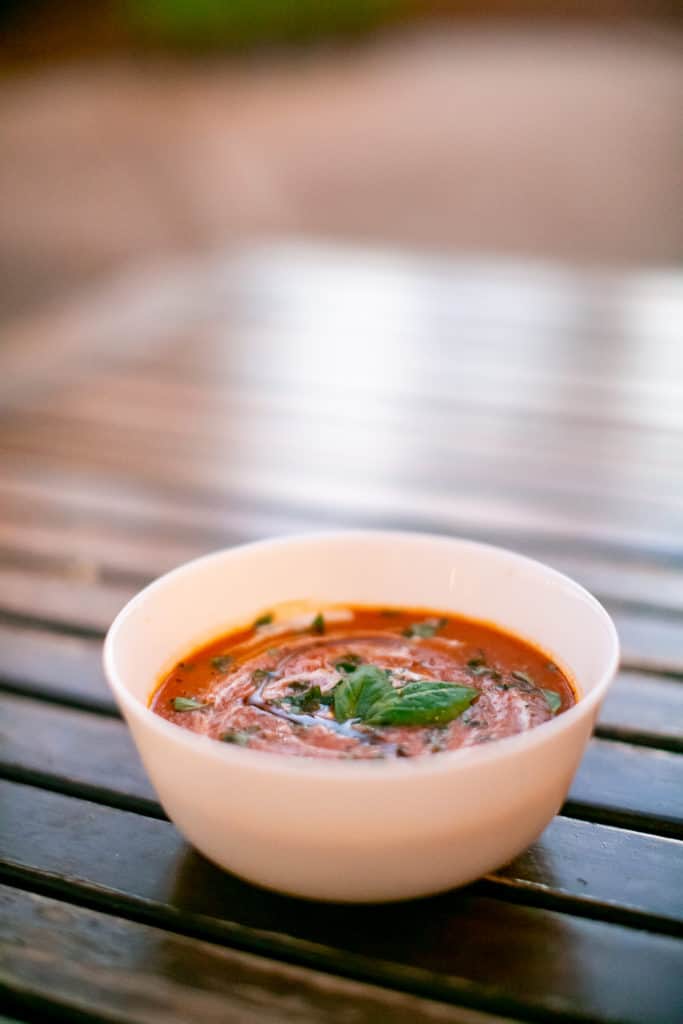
{"x": 358, "y": 830}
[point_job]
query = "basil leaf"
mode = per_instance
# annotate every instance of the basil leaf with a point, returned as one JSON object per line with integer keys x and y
{"x": 263, "y": 620}
{"x": 424, "y": 629}
{"x": 422, "y": 703}
{"x": 554, "y": 700}
{"x": 359, "y": 691}
{"x": 187, "y": 704}
{"x": 318, "y": 624}
{"x": 259, "y": 675}
{"x": 222, "y": 662}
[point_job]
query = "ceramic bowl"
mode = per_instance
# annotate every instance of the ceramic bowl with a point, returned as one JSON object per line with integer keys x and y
{"x": 359, "y": 830}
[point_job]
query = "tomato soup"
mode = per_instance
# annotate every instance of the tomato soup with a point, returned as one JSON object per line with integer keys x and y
{"x": 363, "y": 683}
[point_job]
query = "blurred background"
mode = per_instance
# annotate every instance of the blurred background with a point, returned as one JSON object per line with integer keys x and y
{"x": 137, "y": 130}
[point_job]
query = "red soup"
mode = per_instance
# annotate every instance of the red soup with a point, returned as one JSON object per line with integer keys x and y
{"x": 363, "y": 683}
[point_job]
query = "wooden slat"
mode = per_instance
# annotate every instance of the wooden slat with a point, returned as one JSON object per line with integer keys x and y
{"x": 270, "y": 469}
{"x": 53, "y": 665}
{"x": 453, "y": 435}
{"x": 648, "y": 642}
{"x": 54, "y": 534}
{"x": 625, "y": 784}
{"x": 78, "y": 601}
{"x": 644, "y": 709}
{"x": 68, "y": 749}
{"x": 264, "y": 498}
{"x": 62, "y": 957}
{"x": 450, "y": 947}
{"x": 63, "y": 748}
{"x": 571, "y": 866}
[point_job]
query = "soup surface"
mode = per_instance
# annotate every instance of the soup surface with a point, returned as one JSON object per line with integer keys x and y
{"x": 363, "y": 682}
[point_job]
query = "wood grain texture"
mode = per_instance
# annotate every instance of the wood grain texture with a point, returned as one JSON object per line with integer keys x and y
{"x": 644, "y": 709}
{"x": 472, "y": 433}
{"x": 288, "y": 388}
{"x": 450, "y": 947}
{"x": 119, "y": 971}
{"x": 74, "y": 599}
{"x": 51, "y": 527}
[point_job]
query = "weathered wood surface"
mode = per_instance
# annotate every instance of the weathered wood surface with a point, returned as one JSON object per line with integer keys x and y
{"x": 290, "y": 389}
{"x": 93, "y": 963}
{"x": 76, "y": 953}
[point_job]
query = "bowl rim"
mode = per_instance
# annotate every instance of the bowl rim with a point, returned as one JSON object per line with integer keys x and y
{"x": 268, "y": 762}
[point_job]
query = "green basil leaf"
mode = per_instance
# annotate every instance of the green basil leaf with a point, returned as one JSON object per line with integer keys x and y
{"x": 188, "y": 704}
{"x": 554, "y": 700}
{"x": 359, "y": 691}
{"x": 222, "y": 662}
{"x": 422, "y": 703}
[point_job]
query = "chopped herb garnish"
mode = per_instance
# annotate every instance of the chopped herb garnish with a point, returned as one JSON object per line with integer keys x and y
{"x": 188, "y": 704}
{"x": 367, "y": 694}
{"x": 239, "y": 736}
{"x": 349, "y": 663}
{"x": 425, "y": 629}
{"x": 522, "y": 677}
{"x": 478, "y": 667}
{"x": 222, "y": 662}
{"x": 263, "y": 620}
{"x": 318, "y": 624}
{"x": 551, "y": 666}
{"x": 554, "y": 700}
{"x": 308, "y": 701}
{"x": 259, "y": 675}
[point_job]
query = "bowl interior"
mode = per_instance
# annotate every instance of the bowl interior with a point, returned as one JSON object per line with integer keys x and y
{"x": 198, "y": 601}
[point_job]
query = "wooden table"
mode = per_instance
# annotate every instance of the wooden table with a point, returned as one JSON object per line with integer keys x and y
{"x": 283, "y": 388}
